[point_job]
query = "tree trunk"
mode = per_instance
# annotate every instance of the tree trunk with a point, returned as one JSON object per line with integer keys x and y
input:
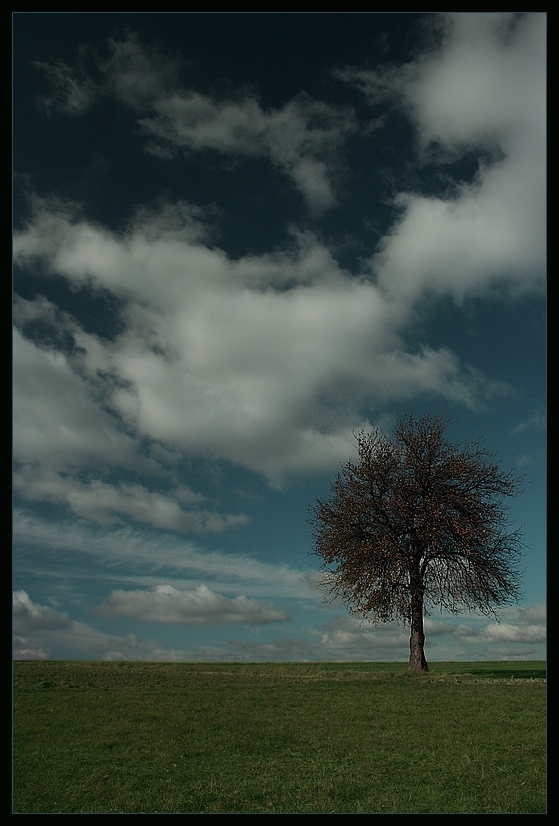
{"x": 418, "y": 663}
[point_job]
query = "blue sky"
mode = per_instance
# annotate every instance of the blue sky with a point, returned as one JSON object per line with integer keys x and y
{"x": 238, "y": 239}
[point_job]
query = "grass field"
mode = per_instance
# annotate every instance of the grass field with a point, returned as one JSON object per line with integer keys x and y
{"x": 278, "y": 738}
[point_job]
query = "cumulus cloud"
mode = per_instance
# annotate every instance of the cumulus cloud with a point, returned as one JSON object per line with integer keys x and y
{"x": 521, "y": 626}
{"x": 353, "y": 638}
{"x": 68, "y": 428}
{"x": 482, "y": 87}
{"x": 502, "y": 632}
{"x": 70, "y": 433}
{"x": 167, "y": 604}
{"x": 264, "y": 361}
{"x": 268, "y": 361}
{"x": 28, "y": 615}
{"x": 107, "y": 504}
{"x": 38, "y": 630}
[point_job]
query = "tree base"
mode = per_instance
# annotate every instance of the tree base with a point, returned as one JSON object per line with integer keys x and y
{"x": 418, "y": 663}
{"x": 418, "y": 668}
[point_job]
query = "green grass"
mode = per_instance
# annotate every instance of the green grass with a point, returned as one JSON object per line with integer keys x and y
{"x": 278, "y": 738}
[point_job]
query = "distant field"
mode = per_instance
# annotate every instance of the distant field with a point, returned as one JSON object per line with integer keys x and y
{"x": 147, "y": 738}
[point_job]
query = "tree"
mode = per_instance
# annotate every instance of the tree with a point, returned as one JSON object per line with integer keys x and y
{"x": 418, "y": 522}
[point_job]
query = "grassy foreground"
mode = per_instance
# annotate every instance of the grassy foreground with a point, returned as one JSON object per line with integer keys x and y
{"x": 278, "y": 738}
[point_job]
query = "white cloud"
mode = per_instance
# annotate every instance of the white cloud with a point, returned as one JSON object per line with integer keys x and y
{"x": 521, "y": 626}
{"x": 28, "y": 615}
{"x": 57, "y": 419}
{"x": 136, "y": 73}
{"x": 268, "y": 361}
{"x": 303, "y": 139}
{"x": 38, "y": 631}
{"x": 107, "y": 504}
{"x": 352, "y": 638}
{"x": 499, "y": 633}
{"x": 491, "y": 235}
{"x": 71, "y": 432}
{"x": 486, "y": 82}
{"x": 536, "y": 614}
{"x": 484, "y": 89}
{"x": 264, "y": 361}
{"x": 536, "y": 422}
{"x": 167, "y": 604}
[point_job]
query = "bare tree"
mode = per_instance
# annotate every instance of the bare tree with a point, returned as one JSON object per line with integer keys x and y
{"x": 418, "y": 522}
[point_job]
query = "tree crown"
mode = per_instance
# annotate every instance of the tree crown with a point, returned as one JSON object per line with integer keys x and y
{"x": 418, "y": 515}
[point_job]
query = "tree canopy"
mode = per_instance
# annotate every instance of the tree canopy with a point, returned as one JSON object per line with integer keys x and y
{"x": 418, "y": 522}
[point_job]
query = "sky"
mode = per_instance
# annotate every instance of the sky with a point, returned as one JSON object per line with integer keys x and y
{"x": 239, "y": 239}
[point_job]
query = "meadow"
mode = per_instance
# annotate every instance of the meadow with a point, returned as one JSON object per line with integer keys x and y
{"x": 123, "y": 738}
